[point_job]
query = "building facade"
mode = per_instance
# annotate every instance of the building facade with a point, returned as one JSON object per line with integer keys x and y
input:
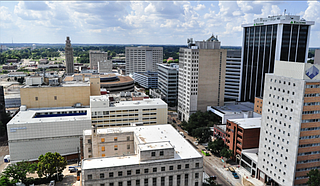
{"x": 96, "y": 56}
{"x": 201, "y": 77}
{"x": 233, "y": 72}
{"x": 148, "y": 155}
{"x": 143, "y": 58}
{"x": 146, "y": 79}
{"x": 242, "y": 134}
{"x": 69, "y": 57}
{"x": 34, "y": 132}
{"x": 106, "y": 113}
{"x": 290, "y": 129}
{"x": 283, "y": 37}
{"x": 168, "y": 82}
{"x": 258, "y": 102}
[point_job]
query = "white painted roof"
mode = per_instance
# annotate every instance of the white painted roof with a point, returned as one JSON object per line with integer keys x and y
{"x": 145, "y": 102}
{"x": 251, "y": 153}
{"x": 248, "y": 123}
{"x": 147, "y": 135}
{"x": 27, "y": 116}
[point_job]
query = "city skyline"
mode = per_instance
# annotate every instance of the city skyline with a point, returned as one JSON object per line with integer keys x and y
{"x": 124, "y": 22}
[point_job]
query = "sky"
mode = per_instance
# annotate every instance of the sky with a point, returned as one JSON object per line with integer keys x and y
{"x": 142, "y": 22}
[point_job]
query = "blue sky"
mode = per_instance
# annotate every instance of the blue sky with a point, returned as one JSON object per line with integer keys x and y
{"x": 141, "y": 22}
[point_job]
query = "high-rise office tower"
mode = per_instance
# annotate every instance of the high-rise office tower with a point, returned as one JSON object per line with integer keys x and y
{"x": 289, "y": 144}
{"x": 143, "y": 58}
{"x": 69, "y": 57}
{"x": 96, "y": 56}
{"x": 202, "y": 69}
{"x": 282, "y": 37}
{"x": 233, "y": 71}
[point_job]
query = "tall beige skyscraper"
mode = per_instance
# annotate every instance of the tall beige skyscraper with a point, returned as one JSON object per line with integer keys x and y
{"x": 69, "y": 57}
{"x": 202, "y": 69}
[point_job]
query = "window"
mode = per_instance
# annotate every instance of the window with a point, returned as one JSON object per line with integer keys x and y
{"x": 102, "y": 184}
{"x": 197, "y": 165}
{"x": 102, "y": 148}
{"x": 146, "y": 182}
{"x": 128, "y": 138}
{"x": 120, "y": 183}
{"x": 115, "y": 138}
{"x": 179, "y": 167}
{"x": 196, "y": 183}
{"x": 178, "y": 180}
{"x": 55, "y": 97}
{"x": 154, "y": 181}
{"x": 120, "y": 173}
{"x": 197, "y": 175}
{"x": 161, "y": 153}
{"x": 170, "y": 180}
{"x": 111, "y": 184}
{"x": 153, "y": 153}
{"x": 89, "y": 140}
{"x": 137, "y": 182}
{"x": 89, "y": 176}
{"x": 89, "y": 150}
{"x": 101, "y": 175}
{"x": 116, "y": 147}
{"x": 128, "y": 183}
{"x": 128, "y": 172}
{"x": 154, "y": 169}
{"x": 146, "y": 170}
{"x": 186, "y": 177}
{"x": 162, "y": 181}
{"x": 138, "y": 171}
{"x": 102, "y": 139}
{"x": 187, "y": 166}
{"x": 110, "y": 174}
{"x": 163, "y": 168}
{"x": 171, "y": 167}
{"x": 128, "y": 146}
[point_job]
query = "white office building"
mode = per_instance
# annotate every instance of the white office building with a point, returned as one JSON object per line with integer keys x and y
{"x": 168, "y": 81}
{"x": 289, "y": 137}
{"x": 145, "y": 155}
{"x": 34, "y": 132}
{"x": 143, "y": 58}
{"x": 233, "y": 71}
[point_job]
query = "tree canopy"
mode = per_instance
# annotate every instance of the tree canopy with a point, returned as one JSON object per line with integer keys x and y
{"x": 18, "y": 171}
{"x": 216, "y": 146}
{"x": 50, "y": 163}
{"x": 314, "y": 177}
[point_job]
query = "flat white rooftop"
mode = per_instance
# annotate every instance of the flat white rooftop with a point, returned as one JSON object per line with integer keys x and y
{"x": 24, "y": 117}
{"x": 235, "y": 107}
{"x": 164, "y": 135}
{"x": 248, "y": 123}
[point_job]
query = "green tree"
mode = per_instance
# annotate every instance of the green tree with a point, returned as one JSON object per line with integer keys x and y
{"x": 314, "y": 177}
{"x": 216, "y": 146}
{"x": 202, "y": 134}
{"x": 164, "y": 60}
{"x": 4, "y": 181}
{"x": 18, "y": 171}
{"x": 50, "y": 163}
{"x": 176, "y": 61}
{"x": 225, "y": 152}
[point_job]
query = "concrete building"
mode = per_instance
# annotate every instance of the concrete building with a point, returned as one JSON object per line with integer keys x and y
{"x": 289, "y": 138}
{"x": 148, "y": 155}
{"x": 67, "y": 94}
{"x": 317, "y": 56}
{"x": 69, "y": 57}
{"x": 234, "y": 110}
{"x": 146, "y": 79}
{"x": 283, "y": 37}
{"x": 233, "y": 71}
{"x": 143, "y": 59}
{"x": 242, "y": 134}
{"x": 219, "y": 131}
{"x": 115, "y": 83}
{"x": 249, "y": 160}
{"x": 34, "y": 132}
{"x": 96, "y": 56}
{"x": 168, "y": 82}
{"x": 106, "y": 113}
{"x": 201, "y": 77}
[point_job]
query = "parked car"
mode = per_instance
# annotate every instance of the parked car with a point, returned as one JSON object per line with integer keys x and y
{"x": 235, "y": 175}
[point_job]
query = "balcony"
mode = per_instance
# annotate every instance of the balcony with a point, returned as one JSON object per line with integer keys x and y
{"x": 239, "y": 139}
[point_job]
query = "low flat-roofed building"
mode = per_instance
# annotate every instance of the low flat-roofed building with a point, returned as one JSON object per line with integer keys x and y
{"x": 110, "y": 113}
{"x": 146, "y": 79}
{"x": 234, "y": 110}
{"x": 142, "y": 155}
{"x": 249, "y": 160}
{"x": 242, "y": 134}
{"x": 34, "y": 132}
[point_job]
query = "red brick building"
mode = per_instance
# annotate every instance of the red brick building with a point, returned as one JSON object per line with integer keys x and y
{"x": 242, "y": 134}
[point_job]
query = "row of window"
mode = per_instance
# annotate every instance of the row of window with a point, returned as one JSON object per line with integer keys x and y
{"x": 312, "y": 95}
{"x": 312, "y": 86}
{"x": 275, "y": 174}
{"x": 281, "y": 106}
{"x": 278, "y": 97}
{"x": 284, "y": 82}
{"x": 308, "y": 161}
{"x": 310, "y": 120}
{"x": 308, "y": 153}
{"x": 310, "y": 145}
{"x": 311, "y": 103}
{"x": 307, "y": 169}
{"x": 311, "y": 128}
{"x": 311, "y": 112}
{"x": 154, "y": 182}
{"x": 283, "y": 90}
{"x": 309, "y": 137}
{"x": 138, "y": 172}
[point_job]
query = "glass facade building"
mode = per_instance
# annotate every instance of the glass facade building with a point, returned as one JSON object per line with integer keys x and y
{"x": 282, "y": 38}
